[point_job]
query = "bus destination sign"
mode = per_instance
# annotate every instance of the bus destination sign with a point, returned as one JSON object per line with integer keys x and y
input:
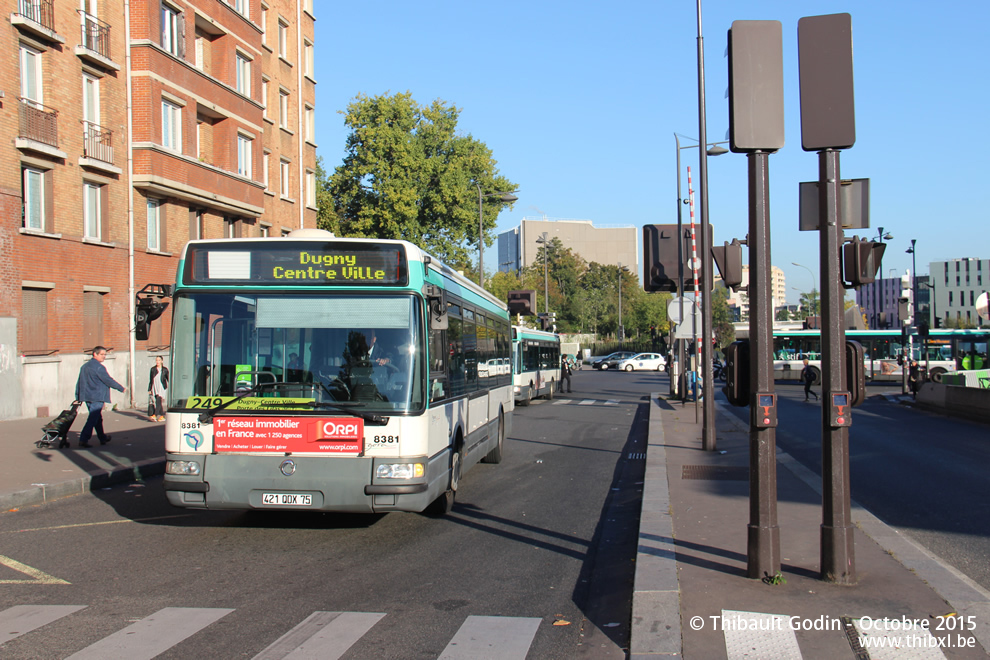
{"x": 296, "y": 263}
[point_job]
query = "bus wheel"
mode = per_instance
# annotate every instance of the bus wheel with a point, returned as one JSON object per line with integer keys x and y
{"x": 549, "y": 396}
{"x": 936, "y": 374}
{"x": 443, "y": 504}
{"x": 495, "y": 455}
{"x": 529, "y": 396}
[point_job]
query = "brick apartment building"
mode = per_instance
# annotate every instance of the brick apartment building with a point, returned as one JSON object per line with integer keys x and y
{"x": 117, "y": 150}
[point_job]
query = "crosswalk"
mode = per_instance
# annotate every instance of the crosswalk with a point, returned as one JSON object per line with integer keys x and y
{"x": 586, "y": 402}
{"x": 321, "y": 635}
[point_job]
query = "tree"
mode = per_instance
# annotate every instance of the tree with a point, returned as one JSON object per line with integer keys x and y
{"x": 810, "y": 304}
{"x": 722, "y": 329}
{"x": 407, "y": 174}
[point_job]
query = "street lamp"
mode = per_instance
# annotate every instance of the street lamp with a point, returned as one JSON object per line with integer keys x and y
{"x": 713, "y": 150}
{"x": 545, "y": 241}
{"x": 881, "y": 237}
{"x": 503, "y": 196}
{"x": 914, "y": 283}
{"x": 813, "y": 299}
{"x": 620, "y": 331}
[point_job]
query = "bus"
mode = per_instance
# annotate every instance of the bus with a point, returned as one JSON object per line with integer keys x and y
{"x": 318, "y": 373}
{"x": 535, "y": 364}
{"x": 944, "y": 351}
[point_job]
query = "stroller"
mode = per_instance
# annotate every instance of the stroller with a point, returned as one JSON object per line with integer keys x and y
{"x": 58, "y": 428}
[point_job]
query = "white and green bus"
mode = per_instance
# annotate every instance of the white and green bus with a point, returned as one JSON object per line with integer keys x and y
{"x": 327, "y": 374}
{"x": 535, "y": 364}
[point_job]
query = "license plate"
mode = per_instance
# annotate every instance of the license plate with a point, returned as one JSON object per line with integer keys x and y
{"x": 287, "y": 499}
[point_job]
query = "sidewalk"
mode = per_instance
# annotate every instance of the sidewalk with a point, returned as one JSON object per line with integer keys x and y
{"x": 31, "y": 476}
{"x": 691, "y": 593}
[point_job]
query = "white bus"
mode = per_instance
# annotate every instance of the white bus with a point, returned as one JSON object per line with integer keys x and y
{"x": 535, "y": 364}
{"x": 325, "y": 374}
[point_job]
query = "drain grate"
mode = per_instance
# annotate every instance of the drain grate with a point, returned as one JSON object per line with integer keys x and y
{"x": 715, "y": 472}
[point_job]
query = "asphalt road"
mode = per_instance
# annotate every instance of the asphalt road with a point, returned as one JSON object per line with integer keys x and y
{"x": 546, "y": 537}
{"x": 924, "y": 474}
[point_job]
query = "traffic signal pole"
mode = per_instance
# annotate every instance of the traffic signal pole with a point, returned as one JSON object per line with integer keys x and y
{"x": 837, "y": 550}
{"x": 763, "y": 534}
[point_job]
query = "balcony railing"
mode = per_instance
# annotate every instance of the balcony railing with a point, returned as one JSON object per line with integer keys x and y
{"x": 38, "y": 122}
{"x": 97, "y": 142}
{"x": 41, "y": 12}
{"x": 95, "y": 34}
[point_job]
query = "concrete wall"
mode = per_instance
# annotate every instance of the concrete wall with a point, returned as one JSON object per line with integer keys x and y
{"x": 968, "y": 402}
{"x": 10, "y": 370}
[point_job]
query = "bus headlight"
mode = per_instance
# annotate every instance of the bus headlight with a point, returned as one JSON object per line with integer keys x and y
{"x": 185, "y": 468}
{"x": 400, "y": 471}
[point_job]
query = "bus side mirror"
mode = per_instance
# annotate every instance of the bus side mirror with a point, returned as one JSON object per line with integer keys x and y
{"x": 436, "y": 305}
{"x": 737, "y": 373}
{"x": 855, "y": 372}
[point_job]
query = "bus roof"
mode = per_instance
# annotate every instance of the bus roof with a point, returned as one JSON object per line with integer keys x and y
{"x": 521, "y": 332}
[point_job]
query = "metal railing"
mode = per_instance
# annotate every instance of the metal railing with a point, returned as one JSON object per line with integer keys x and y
{"x": 38, "y": 122}
{"x": 97, "y": 141}
{"x": 41, "y": 12}
{"x": 95, "y": 34}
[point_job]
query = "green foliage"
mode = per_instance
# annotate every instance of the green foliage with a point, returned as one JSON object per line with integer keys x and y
{"x": 407, "y": 174}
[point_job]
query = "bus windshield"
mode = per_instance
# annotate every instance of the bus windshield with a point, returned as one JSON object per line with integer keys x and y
{"x": 297, "y": 352}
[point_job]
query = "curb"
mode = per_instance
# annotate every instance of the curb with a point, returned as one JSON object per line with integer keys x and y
{"x": 45, "y": 493}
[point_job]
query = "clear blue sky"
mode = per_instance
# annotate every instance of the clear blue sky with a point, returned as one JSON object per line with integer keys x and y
{"x": 579, "y": 102}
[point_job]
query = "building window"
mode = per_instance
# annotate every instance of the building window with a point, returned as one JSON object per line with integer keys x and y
{"x": 244, "y": 145}
{"x": 154, "y": 224}
{"x": 242, "y": 8}
{"x": 264, "y": 169}
{"x": 171, "y": 29}
{"x": 308, "y": 62}
{"x": 950, "y": 299}
{"x": 283, "y": 108}
{"x": 243, "y": 75}
{"x": 32, "y": 89}
{"x": 171, "y": 126}
{"x": 283, "y": 39}
{"x": 283, "y": 179}
{"x": 264, "y": 25}
{"x": 310, "y": 118}
{"x": 92, "y": 211}
{"x": 264, "y": 231}
{"x": 35, "y": 198}
{"x": 264, "y": 97}
{"x": 311, "y": 188}
{"x": 34, "y": 312}
{"x": 92, "y": 318}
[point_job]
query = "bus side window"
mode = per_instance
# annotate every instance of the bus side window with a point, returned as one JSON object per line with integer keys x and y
{"x": 438, "y": 365}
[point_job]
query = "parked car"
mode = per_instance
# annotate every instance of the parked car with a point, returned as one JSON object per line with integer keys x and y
{"x": 644, "y": 362}
{"x": 610, "y": 361}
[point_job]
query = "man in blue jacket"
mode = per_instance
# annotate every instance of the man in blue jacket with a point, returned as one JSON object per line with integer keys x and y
{"x": 93, "y": 387}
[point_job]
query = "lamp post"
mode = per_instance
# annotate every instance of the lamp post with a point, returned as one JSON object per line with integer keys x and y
{"x": 812, "y": 298}
{"x": 713, "y": 150}
{"x": 545, "y": 240}
{"x": 619, "y": 331}
{"x": 503, "y": 196}
{"x": 881, "y": 237}
{"x": 914, "y": 284}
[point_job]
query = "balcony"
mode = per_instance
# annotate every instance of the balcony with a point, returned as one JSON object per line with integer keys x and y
{"x": 38, "y": 128}
{"x": 95, "y": 41}
{"x": 38, "y": 18}
{"x": 98, "y": 148}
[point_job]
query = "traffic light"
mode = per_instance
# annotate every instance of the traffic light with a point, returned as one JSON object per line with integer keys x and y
{"x": 923, "y": 328}
{"x": 737, "y": 373}
{"x": 860, "y": 262}
{"x": 522, "y": 302}
{"x": 660, "y": 258}
{"x": 855, "y": 372}
{"x": 728, "y": 258}
{"x": 938, "y": 322}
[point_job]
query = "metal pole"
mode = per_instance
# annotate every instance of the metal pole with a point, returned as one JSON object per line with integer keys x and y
{"x": 837, "y": 544}
{"x": 763, "y": 534}
{"x": 546, "y": 282}
{"x": 481, "y": 241}
{"x": 619, "y": 329}
{"x": 680, "y": 276}
{"x": 914, "y": 285}
{"x": 708, "y": 391}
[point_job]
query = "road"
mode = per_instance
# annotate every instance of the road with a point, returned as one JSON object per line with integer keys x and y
{"x": 544, "y": 541}
{"x": 923, "y": 474}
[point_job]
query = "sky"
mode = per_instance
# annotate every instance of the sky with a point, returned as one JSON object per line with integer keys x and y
{"x": 579, "y": 102}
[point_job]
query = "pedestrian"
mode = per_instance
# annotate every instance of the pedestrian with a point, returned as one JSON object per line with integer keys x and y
{"x": 913, "y": 378}
{"x": 157, "y": 386}
{"x": 808, "y": 378}
{"x": 93, "y": 388}
{"x": 565, "y": 373}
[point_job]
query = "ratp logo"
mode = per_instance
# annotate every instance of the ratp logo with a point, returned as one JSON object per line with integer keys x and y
{"x": 194, "y": 439}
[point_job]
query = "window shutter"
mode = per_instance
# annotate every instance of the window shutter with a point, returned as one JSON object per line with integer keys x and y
{"x": 49, "y": 222}
{"x": 182, "y": 35}
{"x": 34, "y": 321}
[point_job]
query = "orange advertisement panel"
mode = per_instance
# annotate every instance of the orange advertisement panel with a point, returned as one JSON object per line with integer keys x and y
{"x": 325, "y": 435}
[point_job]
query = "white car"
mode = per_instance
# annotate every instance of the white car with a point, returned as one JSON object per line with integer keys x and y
{"x": 643, "y": 362}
